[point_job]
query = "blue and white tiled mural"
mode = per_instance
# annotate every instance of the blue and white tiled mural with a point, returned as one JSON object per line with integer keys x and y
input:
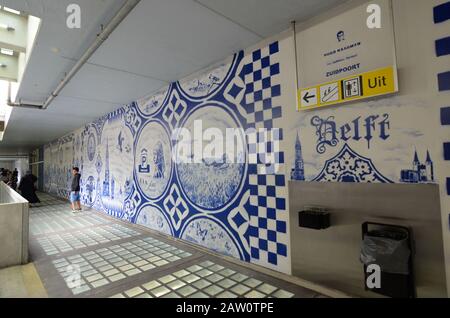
{"x": 381, "y": 141}
{"x": 234, "y": 207}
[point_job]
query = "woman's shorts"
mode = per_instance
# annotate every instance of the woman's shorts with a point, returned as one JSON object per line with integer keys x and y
{"x": 74, "y": 197}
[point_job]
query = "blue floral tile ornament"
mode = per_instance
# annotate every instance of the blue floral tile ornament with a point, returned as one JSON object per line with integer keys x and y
{"x": 349, "y": 166}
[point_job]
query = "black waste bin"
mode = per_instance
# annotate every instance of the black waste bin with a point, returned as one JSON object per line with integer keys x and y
{"x": 391, "y": 248}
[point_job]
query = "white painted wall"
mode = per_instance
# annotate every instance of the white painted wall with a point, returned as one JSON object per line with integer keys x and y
{"x": 414, "y": 112}
{"x": 7, "y": 165}
{"x": 22, "y": 166}
{"x": 9, "y": 72}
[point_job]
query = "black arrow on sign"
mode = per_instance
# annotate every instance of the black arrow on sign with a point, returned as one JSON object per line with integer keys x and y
{"x": 307, "y": 97}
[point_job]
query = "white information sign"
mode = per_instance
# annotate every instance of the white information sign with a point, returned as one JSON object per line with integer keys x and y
{"x": 358, "y": 41}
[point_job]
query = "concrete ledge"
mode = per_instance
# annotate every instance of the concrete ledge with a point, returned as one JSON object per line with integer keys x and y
{"x": 14, "y": 228}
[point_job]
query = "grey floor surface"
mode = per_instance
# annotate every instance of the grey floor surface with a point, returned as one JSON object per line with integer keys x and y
{"x": 92, "y": 255}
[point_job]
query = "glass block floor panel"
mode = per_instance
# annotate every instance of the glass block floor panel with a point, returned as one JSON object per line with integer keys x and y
{"x": 65, "y": 242}
{"x": 107, "y": 265}
{"x": 216, "y": 282}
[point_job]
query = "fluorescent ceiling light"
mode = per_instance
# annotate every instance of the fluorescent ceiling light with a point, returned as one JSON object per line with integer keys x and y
{"x": 7, "y": 52}
{"x": 11, "y": 10}
{"x": 6, "y": 27}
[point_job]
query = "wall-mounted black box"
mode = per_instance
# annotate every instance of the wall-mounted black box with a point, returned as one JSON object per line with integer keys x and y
{"x": 314, "y": 220}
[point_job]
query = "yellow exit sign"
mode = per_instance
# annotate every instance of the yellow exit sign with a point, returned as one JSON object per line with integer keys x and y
{"x": 376, "y": 83}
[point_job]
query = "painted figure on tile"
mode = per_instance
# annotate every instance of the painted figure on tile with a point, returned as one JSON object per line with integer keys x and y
{"x": 89, "y": 190}
{"x": 128, "y": 187}
{"x": 144, "y": 167}
{"x": 206, "y": 87}
{"x": 210, "y": 234}
{"x": 91, "y": 145}
{"x": 153, "y": 104}
{"x": 158, "y": 160}
{"x": 120, "y": 140}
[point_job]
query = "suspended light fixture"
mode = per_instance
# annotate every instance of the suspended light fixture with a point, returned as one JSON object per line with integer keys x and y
{"x": 6, "y": 27}
{"x": 7, "y": 51}
{"x": 11, "y": 10}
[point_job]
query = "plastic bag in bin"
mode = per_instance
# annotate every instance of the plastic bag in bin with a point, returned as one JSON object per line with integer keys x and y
{"x": 387, "y": 249}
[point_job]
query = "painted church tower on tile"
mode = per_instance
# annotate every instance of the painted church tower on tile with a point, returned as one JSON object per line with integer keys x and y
{"x": 298, "y": 171}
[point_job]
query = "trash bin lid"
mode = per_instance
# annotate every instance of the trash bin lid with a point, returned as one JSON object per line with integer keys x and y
{"x": 397, "y": 235}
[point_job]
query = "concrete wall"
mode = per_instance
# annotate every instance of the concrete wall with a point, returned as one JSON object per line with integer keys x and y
{"x": 331, "y": 257}
{"x": 14, "y": 227}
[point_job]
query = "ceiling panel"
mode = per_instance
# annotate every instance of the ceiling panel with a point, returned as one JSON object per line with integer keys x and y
{"x": 99, "y": 83}
{"x": 73, "y": 109}
{"x": 268, "y": 17}
{"x": 170, "y": 39}
{"x": 36, "y": 127}
{"x": 39, "y": 80}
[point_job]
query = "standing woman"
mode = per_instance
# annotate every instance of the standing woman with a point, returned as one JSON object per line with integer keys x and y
{"x": 27, "y": 188}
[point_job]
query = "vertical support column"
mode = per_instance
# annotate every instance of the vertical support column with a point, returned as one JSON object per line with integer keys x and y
{"x": 441, "y": 15}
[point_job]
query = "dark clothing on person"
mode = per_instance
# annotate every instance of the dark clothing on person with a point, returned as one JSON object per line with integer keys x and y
{"x": 27, "y": 189}
{"x": 76, "y": 183}
{"x": 13, "y": 182}
{"x": 4, "y": 176}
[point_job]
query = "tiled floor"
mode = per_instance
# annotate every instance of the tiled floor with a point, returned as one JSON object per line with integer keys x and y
{"x": 92, "y": 255}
